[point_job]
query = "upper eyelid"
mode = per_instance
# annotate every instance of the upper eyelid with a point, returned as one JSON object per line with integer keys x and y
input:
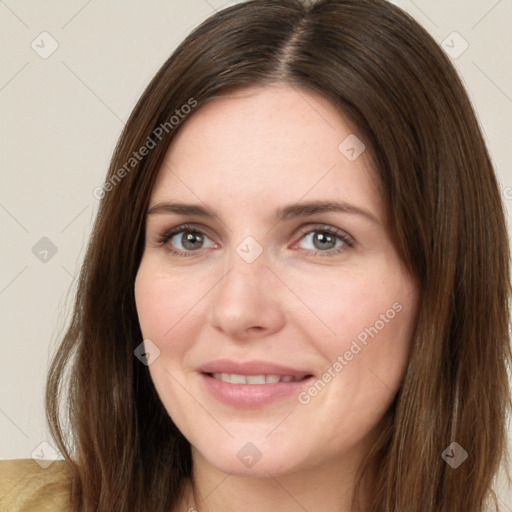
{"x": 186, "y": 227}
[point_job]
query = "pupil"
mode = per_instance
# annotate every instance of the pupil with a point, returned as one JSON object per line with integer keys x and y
{"x": 190, "y": 238}
{"x": 323, "y": 238}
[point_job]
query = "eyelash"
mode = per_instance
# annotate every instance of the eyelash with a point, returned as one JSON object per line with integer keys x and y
{"x": 346, "y": 239}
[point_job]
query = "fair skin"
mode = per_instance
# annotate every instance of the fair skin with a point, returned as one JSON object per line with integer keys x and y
{"x": 301, "y": 303}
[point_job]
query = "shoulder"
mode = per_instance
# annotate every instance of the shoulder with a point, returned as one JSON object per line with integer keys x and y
{"x": 27, "y": 485}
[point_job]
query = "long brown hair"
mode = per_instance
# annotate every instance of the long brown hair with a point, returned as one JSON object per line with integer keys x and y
{"x": 380, "y": 68}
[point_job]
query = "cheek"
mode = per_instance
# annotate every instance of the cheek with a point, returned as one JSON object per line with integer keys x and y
{"x": 164, "y": 312}
{"x": 370, "y": 317}
{"x": 353, "y": 305}
{"x": 162, "y": 303}
{"x": 365, "y": 359}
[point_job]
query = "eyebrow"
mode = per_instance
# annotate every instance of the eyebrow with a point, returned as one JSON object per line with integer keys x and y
{"x": 304, "y": 209}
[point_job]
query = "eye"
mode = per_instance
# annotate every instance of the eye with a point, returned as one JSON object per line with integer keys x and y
{"x": 185, "y": 240}
{"x": 190, "y": 239}
{"x": 327, "y": 240}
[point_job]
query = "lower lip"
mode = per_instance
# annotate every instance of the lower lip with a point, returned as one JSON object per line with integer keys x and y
{"x": 249, "y": 396}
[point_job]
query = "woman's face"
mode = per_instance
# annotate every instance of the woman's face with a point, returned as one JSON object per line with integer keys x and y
{"x": 282, "y": 313}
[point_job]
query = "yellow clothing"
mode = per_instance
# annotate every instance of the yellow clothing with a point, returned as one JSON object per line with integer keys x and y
{"x": 25, "y": 486}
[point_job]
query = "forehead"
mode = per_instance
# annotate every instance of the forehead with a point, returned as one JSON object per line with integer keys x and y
{"x": 277, "y": 142}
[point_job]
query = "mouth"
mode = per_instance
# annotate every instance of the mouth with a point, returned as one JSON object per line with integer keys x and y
{"x": 254, "y": 384}
{"x": 237, "y": 378}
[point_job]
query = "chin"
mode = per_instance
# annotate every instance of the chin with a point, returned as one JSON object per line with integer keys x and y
{"x": 257, "y": 458}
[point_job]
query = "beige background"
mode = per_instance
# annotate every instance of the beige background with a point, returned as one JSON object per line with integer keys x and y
{"x": 62, "y": 115}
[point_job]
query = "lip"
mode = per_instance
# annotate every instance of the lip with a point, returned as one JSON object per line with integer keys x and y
{"x": 251, "y": 368}
{"x": 248, "y": 396}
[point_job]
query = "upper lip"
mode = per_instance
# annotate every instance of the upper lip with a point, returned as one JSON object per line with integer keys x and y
{"x": 251, "y": 368}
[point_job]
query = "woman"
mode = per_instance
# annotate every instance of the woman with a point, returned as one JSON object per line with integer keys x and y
{"x": 296, "y": 292}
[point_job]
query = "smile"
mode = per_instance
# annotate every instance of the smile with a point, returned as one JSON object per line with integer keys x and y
{"x": 235, "y": 378}
{"x": 253, "y": 384}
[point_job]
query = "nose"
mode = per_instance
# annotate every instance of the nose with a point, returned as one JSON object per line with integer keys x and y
{"x": 248, "y": 301}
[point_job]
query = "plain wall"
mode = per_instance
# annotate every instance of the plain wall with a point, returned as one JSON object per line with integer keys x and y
{"x": 62, "y": 115}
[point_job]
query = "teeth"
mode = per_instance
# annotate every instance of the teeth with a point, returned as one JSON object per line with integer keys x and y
{"x": 255, "y": 379}
{"x": 235, "y": 378}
